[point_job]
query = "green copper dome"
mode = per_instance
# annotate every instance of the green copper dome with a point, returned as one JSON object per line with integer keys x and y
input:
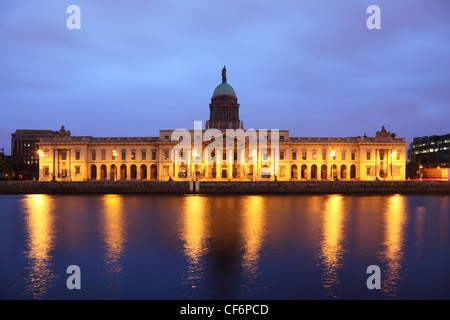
{"x": 224, "y": 88}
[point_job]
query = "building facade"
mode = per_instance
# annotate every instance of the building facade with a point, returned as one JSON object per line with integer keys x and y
{"x": 24, "y": 157}
{"x": 222, "y": 150}
{"x": 430, "y": 151}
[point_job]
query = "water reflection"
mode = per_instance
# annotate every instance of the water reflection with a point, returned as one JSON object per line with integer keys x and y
{"x": 331, "y": 246}
{"x": 392, "y": 255}
{"x": 194, "y": 233}
{"x": 114, "y": 237}
{"x": 40, "y": 239}
{"x": 253, "y": 233}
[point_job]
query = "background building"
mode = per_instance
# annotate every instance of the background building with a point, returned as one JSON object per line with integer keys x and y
{"x": 24, "y": 156}
{"x": 430, "y": 152}
{"x": 429, "y": 157}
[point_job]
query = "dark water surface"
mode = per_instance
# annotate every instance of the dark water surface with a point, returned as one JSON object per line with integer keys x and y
{"x": 224, "y": 247}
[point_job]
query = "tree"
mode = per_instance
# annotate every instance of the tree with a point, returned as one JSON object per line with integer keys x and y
{"x": 5, "y": 169}
{"x": 411, "y": 170}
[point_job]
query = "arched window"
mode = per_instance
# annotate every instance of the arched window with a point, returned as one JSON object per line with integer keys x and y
{"x": 143, "y": 171}
{"x": 314, "y": 171}
{"x": 103, "y": 172}
{"x": 304, "y": 171}
{"x": 133, "y": 172}
{"x": 343, "y": 171}
{"x": 323, "y": 172}
{"x": 123, "y": 172}
{"x": 353, "y": 172}
{"x": 154, "y": 172}
{"x": 294, "y": 172}
{"x": 94, "y": 172}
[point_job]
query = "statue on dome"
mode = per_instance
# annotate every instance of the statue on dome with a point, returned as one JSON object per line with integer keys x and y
{"x": 224, "y": 74}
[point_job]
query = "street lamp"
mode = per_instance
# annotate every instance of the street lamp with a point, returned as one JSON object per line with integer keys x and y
{"x": 393, "y": 154}
{"x": 115, "y": 154}
{"x": 332, "y": 155}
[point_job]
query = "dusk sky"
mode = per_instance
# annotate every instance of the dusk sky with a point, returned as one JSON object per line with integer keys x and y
{"x": 312, "y": 67}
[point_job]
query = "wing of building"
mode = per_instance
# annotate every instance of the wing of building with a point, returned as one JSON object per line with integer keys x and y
{"x": 222, "y": 150}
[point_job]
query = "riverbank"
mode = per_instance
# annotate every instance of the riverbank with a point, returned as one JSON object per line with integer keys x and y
{"x": 225, "y": 187}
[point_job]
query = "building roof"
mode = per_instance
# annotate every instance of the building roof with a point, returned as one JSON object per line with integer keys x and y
{"x": 30, "y": 131}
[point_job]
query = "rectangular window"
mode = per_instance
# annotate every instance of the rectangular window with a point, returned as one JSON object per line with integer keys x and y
{"x": 94, "y": 156}
{"x": 294, "y": 155}
{"x": 77, "y": 170}
{"x": 343, "y": 156}
{"x": 281, "y": 137}
{"x": 281, "y": 155}
{"x": 166, "y": 155}
{"x": 103, "y": 155}
{"x": 153, "y": 155}
{"x": 368, "y": 171}
{"x": 77, "y": 155}
{"x": 265, "y": 156}
{"x": 315, "y": 155}
{"x": 304, "y": 155}
{"x": 381, "y": 155}
{"x": 398, "y": 155}
{"x": 368, "y": 155}
{"x": 124, "y": 155}
{"x": 63, "y": 156}
{"x": 133, "y": 155}
{"x": 45, "y": 171}
{"x": 324, "y": 155}
{"x": 353, "y": 156}
{"x": 166, "y": 137}
{"x": 144, "y": 155}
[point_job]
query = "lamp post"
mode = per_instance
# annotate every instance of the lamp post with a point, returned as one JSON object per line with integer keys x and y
{"x": 115, "y": 154}
{"x": 332, "y": 155}
{"x": 393, "y": 154}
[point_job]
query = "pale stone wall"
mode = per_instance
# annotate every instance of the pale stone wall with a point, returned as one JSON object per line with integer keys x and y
{"x": 225, "y": 187}
{"x": 86, "y": 158}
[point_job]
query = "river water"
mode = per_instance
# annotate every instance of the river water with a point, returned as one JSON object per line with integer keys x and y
{"x": 225, "y": 247}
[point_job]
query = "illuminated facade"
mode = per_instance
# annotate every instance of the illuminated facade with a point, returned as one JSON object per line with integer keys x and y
{"x": 222, "y": 151}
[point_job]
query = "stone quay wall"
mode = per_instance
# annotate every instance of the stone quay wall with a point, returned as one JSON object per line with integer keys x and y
{"x": 225, "y": 187}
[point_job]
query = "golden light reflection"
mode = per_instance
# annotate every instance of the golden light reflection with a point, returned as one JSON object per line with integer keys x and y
{"x": 253, "y": 232}
{"x": 392, "y": 256}
{"x": 39, "y": 221}
{"x": 194, "y": 233}
{"x": 114, "y": 233}
{"x": 331, "y": 247}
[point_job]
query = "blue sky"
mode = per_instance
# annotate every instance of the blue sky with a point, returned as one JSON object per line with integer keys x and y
{"x": 312, "y": 67}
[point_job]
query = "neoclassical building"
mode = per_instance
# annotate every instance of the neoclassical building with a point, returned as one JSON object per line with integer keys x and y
{"x": 221, "y": 150}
